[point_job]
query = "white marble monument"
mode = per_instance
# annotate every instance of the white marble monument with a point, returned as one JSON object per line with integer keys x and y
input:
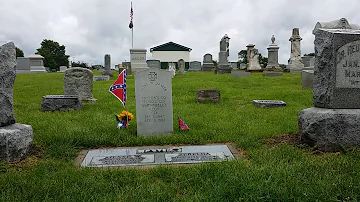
{"x": 295, "y": 62}
{"x": 253, "y": 58}
{"x": 138, "y": 59}
{"x": 37, "y": 64}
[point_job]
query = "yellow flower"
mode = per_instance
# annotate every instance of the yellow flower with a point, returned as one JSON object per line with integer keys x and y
{"x": 124, "y": 113}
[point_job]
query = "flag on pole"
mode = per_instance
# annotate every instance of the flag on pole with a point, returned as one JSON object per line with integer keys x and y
{"x": 182, "y": 125}
{"x": 118, "y": 88}
{"x": 131, "y": 25}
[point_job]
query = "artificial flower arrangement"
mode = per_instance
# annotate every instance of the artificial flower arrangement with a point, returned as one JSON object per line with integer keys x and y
{"x": 123, "y": 119}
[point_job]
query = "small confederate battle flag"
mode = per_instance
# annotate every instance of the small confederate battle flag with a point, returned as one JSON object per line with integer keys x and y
{"x": 118, "y": 88}
{"x": 182, "y": 125}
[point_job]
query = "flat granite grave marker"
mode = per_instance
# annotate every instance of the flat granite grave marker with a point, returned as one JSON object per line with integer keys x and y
{"x": 101, "y": 78}
{"x": 269, "y": 103}
{"x": 240, "y": 74}
{"x": 154, "y": 111}
{"x": 168, "y": 155}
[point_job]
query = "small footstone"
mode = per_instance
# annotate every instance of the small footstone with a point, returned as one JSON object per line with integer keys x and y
{"x": 269, "y": 103}
{"x": 204, "y": 96}
{"x": 15, "y": 142}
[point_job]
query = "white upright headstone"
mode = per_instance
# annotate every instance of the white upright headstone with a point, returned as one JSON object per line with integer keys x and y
{"x": 138, "y": 59}
{"x": 253, "y": 58}
{"x": 154, "y": 112}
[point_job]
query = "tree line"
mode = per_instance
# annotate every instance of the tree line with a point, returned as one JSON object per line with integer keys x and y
{"x": 54, "y": 55}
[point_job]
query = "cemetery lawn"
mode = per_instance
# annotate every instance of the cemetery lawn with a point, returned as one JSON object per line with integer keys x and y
{"x": 267, "y": 172}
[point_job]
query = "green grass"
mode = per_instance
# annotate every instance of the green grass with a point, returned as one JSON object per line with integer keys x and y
{"x": 271, "y": 173}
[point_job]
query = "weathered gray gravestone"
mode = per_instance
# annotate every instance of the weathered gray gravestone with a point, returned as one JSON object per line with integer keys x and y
{"x": 273, "y": 55}
{"x": 7, "y": 79}
{"x": 334, "y": 122}
{"x": 154, "y": 63}
{"x": 107, "y": 63}
{"x": 63, "y": 68}
{"x": 79, "y": 81}
{"x": 223, "y": 64}
{"x": 307, "y": 77}
{"x": 181, "y": 65}
{"x": 194, "y": 66}
{"x": 154, "y": 111}
{"x": 15, "y": 139}
{"x": 208, "y": 64}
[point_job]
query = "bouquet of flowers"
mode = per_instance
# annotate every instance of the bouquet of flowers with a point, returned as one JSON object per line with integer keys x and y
{"x": 123, "y": 119}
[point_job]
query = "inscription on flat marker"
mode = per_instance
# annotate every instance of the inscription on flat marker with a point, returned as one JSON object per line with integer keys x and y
{"x": 348, "y": 66}
{"x": 153, "y": 156}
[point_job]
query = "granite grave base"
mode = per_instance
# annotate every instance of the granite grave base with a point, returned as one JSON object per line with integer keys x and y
{"x": 156, "y": 155}
{"x": 60, "y": 103}
{"x": 330, "y": 129}
{"x": 15, "y": 142}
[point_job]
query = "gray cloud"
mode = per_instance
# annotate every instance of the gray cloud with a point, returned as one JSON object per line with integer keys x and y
{"x": 92, "y": 28}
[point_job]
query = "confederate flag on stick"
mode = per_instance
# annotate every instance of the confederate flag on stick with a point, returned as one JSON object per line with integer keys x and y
{"x": 118, "y": 88}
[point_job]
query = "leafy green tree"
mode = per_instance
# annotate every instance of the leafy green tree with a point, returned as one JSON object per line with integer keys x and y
{"x": 263, "y": 60}
{"x": 215, "y": 63}
{"x": 19, "y": 52}
{"x": 53, "y": 53}
{"x": 80, "y": 64}
{"x": 242, "y": 57}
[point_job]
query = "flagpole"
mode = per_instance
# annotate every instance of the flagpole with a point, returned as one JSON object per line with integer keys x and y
{"x": 132, "y": 33}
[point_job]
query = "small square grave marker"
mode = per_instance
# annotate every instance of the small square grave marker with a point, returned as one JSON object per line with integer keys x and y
{"x": 168, "y": 155}
{"x": 269, "y": 103}
{"x": 240, "y": 74}
{"x": 101, "y": 78}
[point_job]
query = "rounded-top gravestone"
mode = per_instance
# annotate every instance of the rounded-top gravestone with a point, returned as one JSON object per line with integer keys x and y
{"x": 79, "y": 81}
{"x": 181, "y": 65}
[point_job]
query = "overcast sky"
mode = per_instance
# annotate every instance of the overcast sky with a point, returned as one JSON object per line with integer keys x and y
{"x": 92, "y": 28}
